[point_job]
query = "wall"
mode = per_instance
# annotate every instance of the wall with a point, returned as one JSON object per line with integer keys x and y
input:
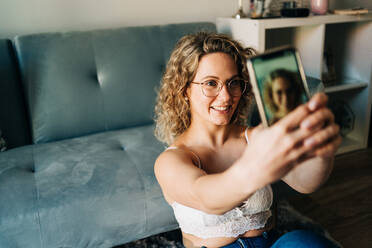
{"x": 31, "y": 16}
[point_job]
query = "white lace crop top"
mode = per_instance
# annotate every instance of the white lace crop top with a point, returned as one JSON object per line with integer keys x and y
{"x": 253, "y": 214}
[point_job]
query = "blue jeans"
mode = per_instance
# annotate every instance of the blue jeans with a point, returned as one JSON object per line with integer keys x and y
{"x": 294, "y": 239}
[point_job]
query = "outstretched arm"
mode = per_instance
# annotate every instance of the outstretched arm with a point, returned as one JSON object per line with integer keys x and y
{"x": 270, "y": 155}
{"x": 185, "y": 183}
{"x": 313, "y": 170}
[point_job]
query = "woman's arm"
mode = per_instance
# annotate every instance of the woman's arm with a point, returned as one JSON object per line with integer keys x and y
{"x": 314, "y": 169}
{"x": 271, "y": 155}
{"x": 309, "y": 175}
{"x": 183, "y": 182}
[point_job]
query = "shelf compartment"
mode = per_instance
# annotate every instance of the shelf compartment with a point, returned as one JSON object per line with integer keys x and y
{"x": 345, "y": 86}
{"x": 306, "y": 39}
{"x": 356, "y": 102}
{"x": 350, "y": 51}
{"x": 348, "y": 145}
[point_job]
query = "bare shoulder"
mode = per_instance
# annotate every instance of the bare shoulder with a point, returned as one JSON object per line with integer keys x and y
{"x": 176, "y": 173}
{"x": 180, "y": 155}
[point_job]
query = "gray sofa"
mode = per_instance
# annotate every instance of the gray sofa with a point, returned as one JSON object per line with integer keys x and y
{"x": 76, "y": 111}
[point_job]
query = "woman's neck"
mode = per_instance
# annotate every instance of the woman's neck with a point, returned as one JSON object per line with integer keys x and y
{"x": 209, "y": 135}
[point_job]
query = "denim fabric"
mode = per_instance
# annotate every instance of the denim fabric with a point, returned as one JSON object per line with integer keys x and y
{"x": 303, "y": 239}
{"x": 263, "y": 241}
{"x": 294, "y": 239}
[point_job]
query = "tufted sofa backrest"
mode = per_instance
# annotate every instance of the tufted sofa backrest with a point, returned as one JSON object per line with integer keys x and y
{"x": 13, "y": 117}
{"x": 79, "y": 83}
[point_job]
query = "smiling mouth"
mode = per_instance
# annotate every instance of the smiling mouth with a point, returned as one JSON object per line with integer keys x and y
{"x": 221, "y": 109}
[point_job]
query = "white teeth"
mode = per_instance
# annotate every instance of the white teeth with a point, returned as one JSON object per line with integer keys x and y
{"x": 221, "y": 108}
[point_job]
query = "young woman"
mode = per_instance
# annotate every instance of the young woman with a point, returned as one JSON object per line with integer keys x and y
{"x": 216, "y": 172}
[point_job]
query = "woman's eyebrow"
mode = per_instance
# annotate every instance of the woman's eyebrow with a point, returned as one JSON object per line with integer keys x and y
{"x": 215, "y": 77}
{"x": 210, "y": 76}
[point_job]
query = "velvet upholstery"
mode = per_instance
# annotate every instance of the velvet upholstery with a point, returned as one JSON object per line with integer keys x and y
{"x": 87, "y": 180}
{"x": 80, "y": 83}
{"x": 99, "y": 190}
{"x": 13, "y": 116}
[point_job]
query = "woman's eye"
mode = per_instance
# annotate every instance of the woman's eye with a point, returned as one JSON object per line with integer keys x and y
{"x": 235, "y": 83}
{"x": 211, "y": 83}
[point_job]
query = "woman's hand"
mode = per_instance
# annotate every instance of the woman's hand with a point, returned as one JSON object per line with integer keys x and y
{"x": 274, "y": 151}
{"x": 306, "y": 132}
{"x": 309, "y": 174}
{"x": 326, "y": 139}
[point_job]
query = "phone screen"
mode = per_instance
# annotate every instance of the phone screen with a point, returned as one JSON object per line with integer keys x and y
{"x": 280, "y": 83}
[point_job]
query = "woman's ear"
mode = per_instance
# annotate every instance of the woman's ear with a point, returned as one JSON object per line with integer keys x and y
{"x": 187, "y": 94}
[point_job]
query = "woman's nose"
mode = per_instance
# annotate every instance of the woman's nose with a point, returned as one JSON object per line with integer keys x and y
{"x": 224, "y": 92}
{"x": 285, "y": 100}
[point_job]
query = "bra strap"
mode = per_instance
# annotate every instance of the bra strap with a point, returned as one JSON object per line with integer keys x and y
{"x": 246, "y": 135}
{"x": 195, "y": 155}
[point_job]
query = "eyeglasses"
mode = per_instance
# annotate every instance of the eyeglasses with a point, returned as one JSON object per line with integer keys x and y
{"x": 212, "y": 87}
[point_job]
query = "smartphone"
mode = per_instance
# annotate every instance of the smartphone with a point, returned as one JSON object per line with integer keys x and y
{"x": 278, "y": 82}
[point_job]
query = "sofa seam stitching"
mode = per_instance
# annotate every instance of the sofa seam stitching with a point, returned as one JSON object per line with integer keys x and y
{"x": 37, "y": 198}
{"x": 144, "y": 189}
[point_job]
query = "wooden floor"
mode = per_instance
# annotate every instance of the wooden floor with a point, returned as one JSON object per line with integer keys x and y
{"x": 344, "y": 204}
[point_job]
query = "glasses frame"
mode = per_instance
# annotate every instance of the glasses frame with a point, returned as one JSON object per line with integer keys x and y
{"x": 220, "y": 85}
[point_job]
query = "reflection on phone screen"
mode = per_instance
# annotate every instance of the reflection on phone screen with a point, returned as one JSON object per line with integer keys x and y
{"x": 279, "y": 83}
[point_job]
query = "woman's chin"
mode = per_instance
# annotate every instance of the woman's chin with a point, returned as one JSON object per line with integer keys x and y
{"x": 221, "y": 121}
{"x": 221, "y": 118}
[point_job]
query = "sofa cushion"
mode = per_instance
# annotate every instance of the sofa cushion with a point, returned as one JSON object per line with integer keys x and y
{"x": 13, "y": 117}
{"x": 93, "y": 191}
{"x": 19, "y": 219}
{"x": 80, "y": 83}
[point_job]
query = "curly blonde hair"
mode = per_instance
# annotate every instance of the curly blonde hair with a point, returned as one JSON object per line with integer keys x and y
{"x": 172, "y": 111}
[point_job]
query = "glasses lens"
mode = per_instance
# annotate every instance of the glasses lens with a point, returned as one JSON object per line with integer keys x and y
{"x": 210, "y": 88}
{"x": 236, "y": 87}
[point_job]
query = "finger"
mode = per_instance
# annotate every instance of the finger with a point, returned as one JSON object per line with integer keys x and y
{"x": 293, "y": 119}
{"x": 318, "y": 118}
{"x": 330, "y": 149}
{"x": 323, "y": 136}
{"x": 299, "y": 154}
{"x": 303, "y": 153}
{"x": 292, "y": 144}
{"x": 297, "y": 137}
{"x": 317, "y": 101}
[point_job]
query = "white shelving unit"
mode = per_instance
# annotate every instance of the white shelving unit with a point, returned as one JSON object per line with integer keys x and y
{"x": 350, "y": 39}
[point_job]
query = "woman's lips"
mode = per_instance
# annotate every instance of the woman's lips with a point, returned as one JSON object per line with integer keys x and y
{"x": 221, "y": 109}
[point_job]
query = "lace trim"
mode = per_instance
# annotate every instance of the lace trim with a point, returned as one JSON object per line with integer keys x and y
{"x": 253, "y": 214}
{"x": 227, "y": 227}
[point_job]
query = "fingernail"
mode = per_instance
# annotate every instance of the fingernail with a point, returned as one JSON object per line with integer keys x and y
{"x": 306, "y": 124}
{"x": 312, "y": 105}
{"x": 309, "y": 142}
